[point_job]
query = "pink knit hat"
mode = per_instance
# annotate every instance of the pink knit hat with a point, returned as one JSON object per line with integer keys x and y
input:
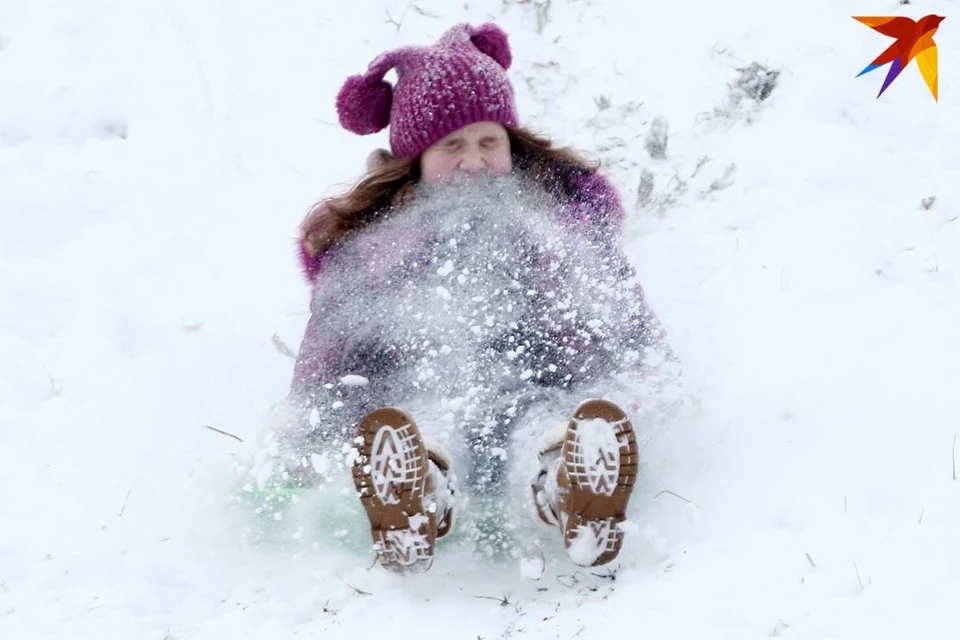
{"x": 458, "y": 81}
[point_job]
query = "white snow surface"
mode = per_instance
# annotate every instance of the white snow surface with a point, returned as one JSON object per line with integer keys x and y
{"x": 802, "y": 252}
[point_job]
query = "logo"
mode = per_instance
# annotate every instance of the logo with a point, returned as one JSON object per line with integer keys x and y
{"x": 914, "y": 39}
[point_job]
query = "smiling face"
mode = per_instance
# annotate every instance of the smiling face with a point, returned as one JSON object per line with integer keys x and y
{"x": 482, "y": 146}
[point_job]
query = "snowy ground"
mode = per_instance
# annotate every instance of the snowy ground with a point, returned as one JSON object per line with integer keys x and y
{"x": 155, "y": 159}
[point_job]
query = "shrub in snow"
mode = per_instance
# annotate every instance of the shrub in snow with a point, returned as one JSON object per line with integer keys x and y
{"x": 756, "y": 81}
{"x": 541, "y": 9}
{"x": 645, "y": 188}
{"x": 748, "y": 91}
{"x": 656, "y": 140}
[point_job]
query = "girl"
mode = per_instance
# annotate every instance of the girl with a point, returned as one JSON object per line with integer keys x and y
{"x": 473, "y": 279}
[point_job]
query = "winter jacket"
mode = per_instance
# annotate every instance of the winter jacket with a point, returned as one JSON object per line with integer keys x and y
{"x": 532, "y": 351}
{"x": 588, "y": 202}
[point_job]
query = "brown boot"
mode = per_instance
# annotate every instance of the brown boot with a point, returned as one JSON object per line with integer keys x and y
{"x": 404, "y": 488}
{"x": 441, "y": 487}
{"x": 587, "y": 478}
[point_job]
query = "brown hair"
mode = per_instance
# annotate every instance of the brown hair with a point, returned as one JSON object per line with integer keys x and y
{"x": 392, "y": 181}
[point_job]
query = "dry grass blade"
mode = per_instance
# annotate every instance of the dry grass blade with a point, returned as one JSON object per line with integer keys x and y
{"x": 675, "y": 495}
{"x": 282, "y": 347}
{"x": 123, "y": 507}
{"x": 359, "y": 592}
{"x": 504, "y": 601}
{"x": 859, "y": 578}
{"x": 225, "y": 433}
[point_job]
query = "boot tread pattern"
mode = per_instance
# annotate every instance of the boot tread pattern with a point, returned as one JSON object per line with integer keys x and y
{"x": 390, "y": 474}
{"x": 599, "y": 461}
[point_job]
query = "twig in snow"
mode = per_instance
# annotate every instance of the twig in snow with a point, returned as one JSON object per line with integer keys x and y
{"x": 810, "y": 560}
{"x": 282, "y": 347}
{"x": 723, "y": 182}
{"x": 610, "y": 575}
{"x": 328, "y": 609}
{"x": 222, "y": 432}
{"x": 359, "y": 592}
{"x": 542, "y": 8}
{"x": 504, "y": 601}
{"x": 573, "y": 580}
{"x": 54, "y": 387}
{"x": 676, "y": 495}
{"x": 602, "y": 101}
{"x": 859, "y": 579}
{"x": 424, "y": 12}
{"x": 124, "y": 506}
{"x": 920, "y": 519}
{"x": 701, "y": 162}
{"x": 399, "y": 24}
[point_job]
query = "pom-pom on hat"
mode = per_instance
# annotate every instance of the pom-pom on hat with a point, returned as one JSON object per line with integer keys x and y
{"x": 460, "y": 80}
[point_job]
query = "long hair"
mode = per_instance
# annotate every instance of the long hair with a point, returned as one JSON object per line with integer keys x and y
{"x": 393, "y": 181}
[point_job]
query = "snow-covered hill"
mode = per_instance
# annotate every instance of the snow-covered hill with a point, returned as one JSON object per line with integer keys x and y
{"x": 798, "y": 237}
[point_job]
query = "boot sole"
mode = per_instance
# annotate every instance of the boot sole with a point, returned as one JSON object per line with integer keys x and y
{"x": 599, "y": 459}
{"x": 390, "y": 476}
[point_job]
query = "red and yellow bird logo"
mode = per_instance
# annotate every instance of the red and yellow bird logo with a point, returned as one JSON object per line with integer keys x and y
{"x": 914, "y": 40}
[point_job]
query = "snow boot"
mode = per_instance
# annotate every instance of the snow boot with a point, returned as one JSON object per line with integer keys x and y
{"x": 405, "y": 488}
{"x": 589, "y": 467}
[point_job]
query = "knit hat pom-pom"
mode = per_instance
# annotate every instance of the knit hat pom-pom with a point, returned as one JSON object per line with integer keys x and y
{"x": 364, "y": 105}
{"x": 492, "y": 40}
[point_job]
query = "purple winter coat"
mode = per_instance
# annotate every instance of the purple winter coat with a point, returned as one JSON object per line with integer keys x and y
{"x": 562, "y": 356}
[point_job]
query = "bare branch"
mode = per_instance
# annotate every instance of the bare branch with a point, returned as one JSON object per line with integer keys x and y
{"x": 504, "y": 601}
{"x": 397, "y": 23}
{"x": 226, "y": 433}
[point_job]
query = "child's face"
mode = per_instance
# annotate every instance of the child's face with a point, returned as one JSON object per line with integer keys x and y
{"x": 482, "y": 146}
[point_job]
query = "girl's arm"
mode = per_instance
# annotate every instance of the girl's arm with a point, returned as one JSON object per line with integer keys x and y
{"x": 592, "y": 205}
